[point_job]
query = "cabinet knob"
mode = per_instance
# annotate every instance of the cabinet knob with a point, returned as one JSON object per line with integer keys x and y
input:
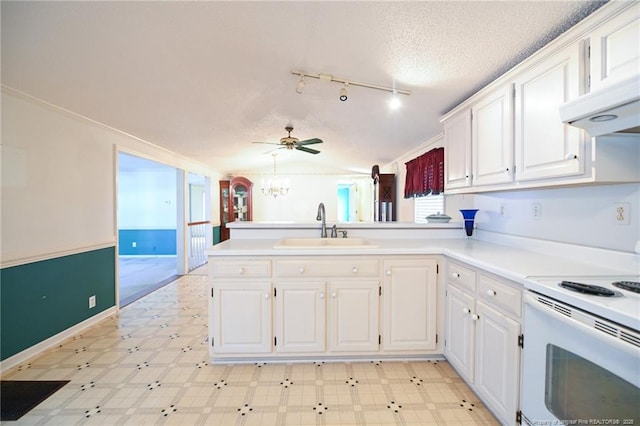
{"x": 241, "y": 270}
{"x": 466, "y": 310}
{"x": 507, "y": 169}
{"x": 266, "y": 295}
{"x": 301, "y": 270}
{"x": 455, "y": 275}
{"x": 491, "y": 292}
{"x": 388, "y": 272}
{"x": 570, "y": 156}
{"x": 333, "y": 294}
{"x": 475, "y": 317}
{"x": 354, "y": 270}
{"x": 321, "y": 295}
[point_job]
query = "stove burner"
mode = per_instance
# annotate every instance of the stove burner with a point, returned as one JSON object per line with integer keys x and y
{"x": 633, "y": 286}
{"x": 590, "y": 289}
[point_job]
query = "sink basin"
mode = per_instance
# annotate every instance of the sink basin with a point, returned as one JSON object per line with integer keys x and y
{"x": 313, "y": 243}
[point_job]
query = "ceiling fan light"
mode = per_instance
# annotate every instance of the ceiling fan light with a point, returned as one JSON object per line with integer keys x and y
{"x": 300, "y": 86}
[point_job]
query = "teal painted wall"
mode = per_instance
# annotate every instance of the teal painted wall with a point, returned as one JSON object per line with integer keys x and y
{"x": 148, "y": 242}
{"x": 41, "y": 299}
{"x": 216, "y": 235}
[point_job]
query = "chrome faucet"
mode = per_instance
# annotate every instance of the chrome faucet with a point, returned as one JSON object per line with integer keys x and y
{"x": 323, "y": 217}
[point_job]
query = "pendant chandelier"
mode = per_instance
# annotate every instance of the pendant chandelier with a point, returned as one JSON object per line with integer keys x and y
{"x": 275, "y": 187}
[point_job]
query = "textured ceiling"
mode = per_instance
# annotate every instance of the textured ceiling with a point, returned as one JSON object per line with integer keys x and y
{"x": 205, "y": 79}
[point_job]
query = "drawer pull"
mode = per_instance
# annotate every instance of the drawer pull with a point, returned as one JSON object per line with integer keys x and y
{"x": 241, "y": 270}
{"x": 475, "y": 317}
{"x": 455, "y": 275}
{"x": 333, "y": 294}
{"x": 321, "y": 295}
{"x": 301, "y": 270}
{"x": 355, "y": 270}
{"x": 491, "y": 292}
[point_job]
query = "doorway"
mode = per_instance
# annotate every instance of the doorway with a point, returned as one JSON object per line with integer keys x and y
{"x": 147, "y": 226}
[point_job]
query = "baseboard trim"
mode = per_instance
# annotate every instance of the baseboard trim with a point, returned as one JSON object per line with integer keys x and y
{"x": 39, "y": 348}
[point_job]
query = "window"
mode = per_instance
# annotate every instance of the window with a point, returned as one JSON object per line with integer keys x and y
{"x": 424, "y": 206}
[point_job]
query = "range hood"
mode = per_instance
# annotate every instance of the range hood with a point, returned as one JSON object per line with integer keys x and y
{"x": 612, "y": 109}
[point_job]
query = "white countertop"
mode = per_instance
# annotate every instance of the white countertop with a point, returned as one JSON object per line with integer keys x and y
{"x": 512, "y": 263}
{"x": 342, "y": 225}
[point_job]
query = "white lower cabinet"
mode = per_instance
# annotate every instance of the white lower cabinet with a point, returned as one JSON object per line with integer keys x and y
{"x": 300, "y": 317}
{"x": 482, "y": 336}
{"x": 459, "y": 334}
{"x": 296, "y": 306}
{"x": 409, "y": 293}
{"x": 353, "y": 316}
{"x": 497, "y": 361}
{"x": 241, "y": 317}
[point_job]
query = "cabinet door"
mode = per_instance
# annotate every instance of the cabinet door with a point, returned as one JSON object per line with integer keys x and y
{"x": 544, "y": 146}
{"x": 353, "y": 316}
{"x": 241, "y": 317}
{"x": 497, "y": 361}
{"x": 459, "y": 331}
{"x": 457, "y": 140}
{"x": 300, "y": 317}
{"x": 409, "y": 304}
{"x": 492, "y": 138}
{"x": 615, "y": 49}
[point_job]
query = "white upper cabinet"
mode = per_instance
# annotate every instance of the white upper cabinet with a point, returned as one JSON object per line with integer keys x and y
{"x": 457, "y": 141}
{"x": 545, "y": 147}
{"x": 615, "y": 49}
{"x": 492, "y": 138}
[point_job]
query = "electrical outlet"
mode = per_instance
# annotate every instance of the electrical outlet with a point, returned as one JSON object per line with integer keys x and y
{"x": 621, "y": 213}
{"x": 501, "y": 209}
{"x": 536, "y": 210}
{"x": 134, "y": 244}
{"x": 92, "y": 302}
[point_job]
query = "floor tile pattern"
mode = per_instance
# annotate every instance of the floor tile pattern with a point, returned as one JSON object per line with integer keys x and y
{"x": 149, "y": 365}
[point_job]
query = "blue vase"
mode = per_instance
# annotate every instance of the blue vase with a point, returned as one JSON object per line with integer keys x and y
{"x": 469, "y": 217}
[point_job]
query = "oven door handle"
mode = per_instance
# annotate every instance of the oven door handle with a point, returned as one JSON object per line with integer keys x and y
{"x": 626, "y": 347}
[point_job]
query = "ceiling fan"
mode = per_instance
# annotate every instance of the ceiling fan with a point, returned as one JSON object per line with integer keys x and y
{"x": 290, "y": 142}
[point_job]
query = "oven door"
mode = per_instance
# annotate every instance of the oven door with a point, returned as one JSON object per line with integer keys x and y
{"x": 574, "y": 370}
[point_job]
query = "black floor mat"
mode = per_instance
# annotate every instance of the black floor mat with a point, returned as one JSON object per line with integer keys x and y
{"x": 18, "y": 397}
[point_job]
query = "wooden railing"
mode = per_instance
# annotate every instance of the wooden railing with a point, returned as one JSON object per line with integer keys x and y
{"x": 196, "y": 234}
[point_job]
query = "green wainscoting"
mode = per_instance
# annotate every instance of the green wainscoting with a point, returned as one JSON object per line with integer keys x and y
{"x": 41, "y": 299}
{"x": 216, "y": 234}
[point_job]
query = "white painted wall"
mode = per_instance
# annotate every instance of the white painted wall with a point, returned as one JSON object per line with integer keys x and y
{"x": 578, "y": 215}
{"x": 59, "y": 179}
{"x": 147, "y": 199}
{"x": 306, "y": 192}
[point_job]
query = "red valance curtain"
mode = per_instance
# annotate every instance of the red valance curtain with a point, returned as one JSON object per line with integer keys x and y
{"x": 425, "y": 174}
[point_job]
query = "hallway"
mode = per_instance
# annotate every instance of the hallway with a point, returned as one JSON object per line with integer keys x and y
{"x": 140, "y": 275}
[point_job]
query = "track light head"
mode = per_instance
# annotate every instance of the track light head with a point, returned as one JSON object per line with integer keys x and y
{"x": 343, "y": 93}
{"x": 394, "y": 102}
{"x": 300, "y": 86}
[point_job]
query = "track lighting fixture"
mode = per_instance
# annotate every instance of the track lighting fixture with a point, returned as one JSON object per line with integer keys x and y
{"x": 343, "y": 93}
{"x": 300, "y": 86}
{"x": 394, "y": 102}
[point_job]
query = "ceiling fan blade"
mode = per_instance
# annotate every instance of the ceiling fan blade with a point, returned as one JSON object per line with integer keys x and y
{"x": 267, "y": 143}
{"x": 309, "y": 150}
{"x": 310, "y": 141}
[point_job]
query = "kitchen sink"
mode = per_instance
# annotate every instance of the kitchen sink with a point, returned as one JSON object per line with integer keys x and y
{"x": 312, "y": 243}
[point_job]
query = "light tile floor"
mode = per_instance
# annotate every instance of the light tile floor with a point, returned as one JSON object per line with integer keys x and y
{"x": 149, "y": 365}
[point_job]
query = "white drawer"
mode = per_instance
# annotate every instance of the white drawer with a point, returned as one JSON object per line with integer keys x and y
{"x": 499, "y": 294}
{"x": 240, "y": 268}
{"x": 357, "y": 267}
{"x": 461, "y": 276}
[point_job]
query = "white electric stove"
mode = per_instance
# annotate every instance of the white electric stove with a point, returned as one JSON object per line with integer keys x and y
{"x": 597, "y": 295}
